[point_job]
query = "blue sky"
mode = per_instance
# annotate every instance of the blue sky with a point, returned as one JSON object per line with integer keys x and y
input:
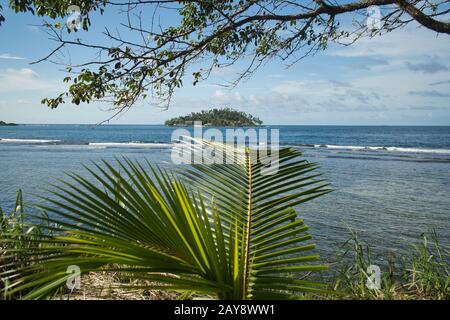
{"x": 402, "y": 78}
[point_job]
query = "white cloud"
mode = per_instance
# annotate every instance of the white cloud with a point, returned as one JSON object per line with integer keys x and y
{"x": 229, "y": 98}
{"x": 219, "y": 94}
{"x": 24, "y": 72}
{"x": 23, "y": 101}
{"x": 9, "y": 56}
{"x": 405, "y": 43}
{"x": 223, "y": 71}
{"x": 276, "y": 76}
{"x": 209, "y": 85}
{"x": 329, "y": 95}
{"x": 377, "y": 94}
{"x": 24, "y": 79}
{"x": 33, "y": 28}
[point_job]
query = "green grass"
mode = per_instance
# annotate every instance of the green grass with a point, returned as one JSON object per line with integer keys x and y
{"x": 421, "y": 274}
{"x": 14, "y": 231}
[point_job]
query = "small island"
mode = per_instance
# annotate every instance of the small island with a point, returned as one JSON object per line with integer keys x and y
{"x": 225, "y": 117}
{"x": 3, "y": 123}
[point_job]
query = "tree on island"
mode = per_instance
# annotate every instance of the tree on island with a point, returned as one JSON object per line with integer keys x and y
{"x": 155, "y": 57}
{"x": 3, "y": 123}
{"x": 225, "y": 117}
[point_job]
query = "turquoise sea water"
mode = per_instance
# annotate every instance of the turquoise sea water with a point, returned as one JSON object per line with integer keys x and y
{"x": 392, "y": 183}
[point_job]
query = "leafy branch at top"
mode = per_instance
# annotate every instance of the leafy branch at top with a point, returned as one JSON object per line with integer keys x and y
{"x": 202, "y": 35}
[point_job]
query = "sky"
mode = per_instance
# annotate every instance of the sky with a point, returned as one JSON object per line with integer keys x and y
{"x": 402, "y": 78}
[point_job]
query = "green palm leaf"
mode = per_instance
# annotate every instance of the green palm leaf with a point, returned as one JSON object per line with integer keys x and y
{"x": 272, "y": 253}
{"x": 225, "y": 230}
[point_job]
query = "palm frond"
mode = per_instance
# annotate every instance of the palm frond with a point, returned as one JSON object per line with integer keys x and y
{"x": 226, "y": 230}
{"x": 273, "y": 252}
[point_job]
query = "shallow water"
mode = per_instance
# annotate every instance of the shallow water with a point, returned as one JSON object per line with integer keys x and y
{"x": 391, "y": 183}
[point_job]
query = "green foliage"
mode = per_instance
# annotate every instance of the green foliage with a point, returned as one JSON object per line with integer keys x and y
{"x": 20, "y": 243}
{"x": 216, "y": 117}
{"x": 155, "y": 59}
{"x": 2, "y": 18}
{"x": 11, "y": 227}
{"x": 427, "y": 269}
{"x": 57, "y": 9}
{"x": 221, "y": 231}
{"x": 421, "y": 274}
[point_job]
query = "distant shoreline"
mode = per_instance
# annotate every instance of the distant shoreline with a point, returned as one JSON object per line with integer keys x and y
{"x": 3, "y": 123}
{"x": 264, "y": 125}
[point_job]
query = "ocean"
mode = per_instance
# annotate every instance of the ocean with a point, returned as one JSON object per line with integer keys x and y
{"x": 392, "y": 183}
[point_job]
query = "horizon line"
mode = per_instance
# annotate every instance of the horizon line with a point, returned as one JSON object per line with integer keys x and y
{"x": 263, "y": 125}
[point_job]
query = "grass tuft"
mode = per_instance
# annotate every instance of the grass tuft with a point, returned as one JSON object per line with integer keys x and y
{"x": 423, "y": 274}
